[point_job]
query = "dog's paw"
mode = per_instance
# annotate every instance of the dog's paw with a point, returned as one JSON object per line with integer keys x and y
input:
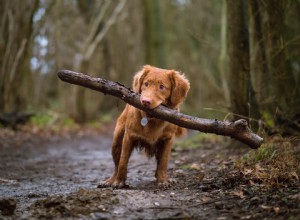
{"x": 172, "y": 181}
{"x": 119, "y": 185}
{"x": 104, "y": 184}
{"x": 167, "y": 184}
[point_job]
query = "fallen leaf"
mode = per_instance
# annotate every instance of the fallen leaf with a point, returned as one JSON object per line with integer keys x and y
{"x": 246, "y": 217}
{"x": 239, "y": 193}
{"x": 252, "y": 183}
{"x": 265, "y": 207}
{"x": 294, "y": 174}
{"x": 258, "y": 167}
{"x": 205, "y": 199}
{"x": 296, "y": 196}
{"x": 200, "y": 177}
{"x": 195, "y": 166}
{"x": 247, "y": 171}
{"x": 276, "y": 210}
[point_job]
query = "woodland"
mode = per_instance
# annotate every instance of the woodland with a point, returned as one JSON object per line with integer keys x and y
{"x": 242, "y": 59}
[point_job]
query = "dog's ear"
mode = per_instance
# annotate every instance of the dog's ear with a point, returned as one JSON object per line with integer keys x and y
{"x": 180, "y": 88}
{"x": 139, "y": 77}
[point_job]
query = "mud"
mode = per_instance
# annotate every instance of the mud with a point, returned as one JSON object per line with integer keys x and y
{"x": 57, "y": 178}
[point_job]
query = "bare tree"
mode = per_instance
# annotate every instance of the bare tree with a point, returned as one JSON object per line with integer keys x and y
{"x": 242, "y": 97}
{"x": 15, "y": 44}
{"x": 154, "y": 33}
{"x": 270, "y": 62}
{"x": 98, "y": 27}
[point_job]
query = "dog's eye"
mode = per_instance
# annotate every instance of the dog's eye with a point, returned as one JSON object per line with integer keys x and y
{"x": 161, "y": 87}
{"x": 146, "y": 84}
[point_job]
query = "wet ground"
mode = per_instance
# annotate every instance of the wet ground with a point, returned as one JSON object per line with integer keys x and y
{"x": 57, "y": 177}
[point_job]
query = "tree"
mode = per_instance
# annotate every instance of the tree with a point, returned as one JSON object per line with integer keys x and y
{"x": 242, "y": 97}
{"x": 97, "y": 31}
{"x": 154, "y": 33}
{"x": 15, "y": 48}
{"x": 271, "y": 65}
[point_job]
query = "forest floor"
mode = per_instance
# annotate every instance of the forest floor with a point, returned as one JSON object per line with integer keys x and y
{"x": 44, "y": 175}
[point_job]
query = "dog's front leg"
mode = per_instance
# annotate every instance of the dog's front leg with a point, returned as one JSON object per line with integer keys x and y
{"x": 162, "y": 158}
{"x": 127, "y": 147}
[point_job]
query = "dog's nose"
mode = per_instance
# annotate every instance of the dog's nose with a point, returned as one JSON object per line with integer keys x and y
{"x": 146, "y": 101}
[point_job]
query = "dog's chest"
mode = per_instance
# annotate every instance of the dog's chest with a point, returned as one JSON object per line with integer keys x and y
{"x": 151, "y": 133}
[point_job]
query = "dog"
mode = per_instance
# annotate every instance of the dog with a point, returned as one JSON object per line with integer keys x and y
{"x": 137, "y": 129}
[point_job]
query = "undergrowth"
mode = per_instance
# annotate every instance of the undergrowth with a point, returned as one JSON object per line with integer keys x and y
{"x": 53, "y": 120}
{"x": 276, "y": 163}
{"x": 197, "y": 141}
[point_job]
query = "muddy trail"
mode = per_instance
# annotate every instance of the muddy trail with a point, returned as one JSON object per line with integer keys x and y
{"x": 57, "y": 177}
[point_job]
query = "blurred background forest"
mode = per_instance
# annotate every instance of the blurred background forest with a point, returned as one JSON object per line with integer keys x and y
{"x": 241, "y": 57}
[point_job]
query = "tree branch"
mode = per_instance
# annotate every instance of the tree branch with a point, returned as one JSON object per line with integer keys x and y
{"x": 238, "y": 130}
{"x": 92, "y": 47}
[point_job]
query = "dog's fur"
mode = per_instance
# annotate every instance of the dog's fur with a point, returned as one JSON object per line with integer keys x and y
{"x": 156, "y": 86}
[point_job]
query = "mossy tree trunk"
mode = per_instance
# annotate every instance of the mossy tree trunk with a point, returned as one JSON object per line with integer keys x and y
{"x": 154, "y": 33}
{"x": 270, "y": 62}
{"x": 242, "y": 96}
{"x": 15, "y": 43}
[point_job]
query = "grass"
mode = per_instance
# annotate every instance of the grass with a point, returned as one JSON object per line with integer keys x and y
{"x": 58, "y": 123}
{"x": 196, "y": 141}
{"x": 275, "y": 163}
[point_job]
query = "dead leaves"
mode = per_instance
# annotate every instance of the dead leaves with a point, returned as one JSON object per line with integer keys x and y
{"x": 275, "y": 164}
{"x": 275, "y": 209}
{"x": 238, "y": 193}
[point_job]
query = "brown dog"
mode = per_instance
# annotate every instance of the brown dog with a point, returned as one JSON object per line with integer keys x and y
{"x": 136, "y": 128}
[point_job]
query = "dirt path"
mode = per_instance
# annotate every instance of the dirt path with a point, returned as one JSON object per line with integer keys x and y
{"x": 58, "y": 178}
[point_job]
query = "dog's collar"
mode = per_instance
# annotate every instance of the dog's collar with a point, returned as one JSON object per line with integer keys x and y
{"x": 145, "y": 118}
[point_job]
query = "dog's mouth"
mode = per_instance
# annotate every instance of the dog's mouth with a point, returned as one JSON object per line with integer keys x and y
{"x": 149, "y": 116}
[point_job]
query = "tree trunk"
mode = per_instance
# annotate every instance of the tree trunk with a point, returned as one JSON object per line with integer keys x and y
{"x": 282, "y": 79}
{"x": 223, "y": 50}
{"x": 99, "y": 27}
{"x": 242, "y": 97}
{"x": 16, "y": 30}
{"x": 270, "y": 64}
{"x": 154, "y": 34}
{"x": 258, "y": 63}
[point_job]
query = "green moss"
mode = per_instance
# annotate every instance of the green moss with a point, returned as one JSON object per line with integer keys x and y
{"x": 264, "y": 153}
{"x": 106, "y": 118}
{"x": 185, "y": 166}
{"x": 268, "y": 119}
{"x": 192, "y": 142}
{"x": 69, "y": 122}
{"x": 196, "y": 141}
{"x": 41, "y": 120}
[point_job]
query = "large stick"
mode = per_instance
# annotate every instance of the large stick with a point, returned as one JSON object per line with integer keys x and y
{"x": 238, "y": 129}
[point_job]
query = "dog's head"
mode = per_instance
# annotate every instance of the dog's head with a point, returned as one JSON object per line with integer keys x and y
{"x": 159, "y": 86}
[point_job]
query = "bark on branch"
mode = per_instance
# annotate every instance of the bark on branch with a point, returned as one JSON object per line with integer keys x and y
{"x": 238, "y": 129}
